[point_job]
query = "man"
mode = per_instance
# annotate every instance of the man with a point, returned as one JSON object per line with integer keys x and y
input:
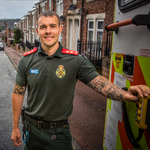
{"x": 51, "y": 72}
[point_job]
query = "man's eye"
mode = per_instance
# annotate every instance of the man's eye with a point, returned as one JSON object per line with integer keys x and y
{"x": 42, "y": 27}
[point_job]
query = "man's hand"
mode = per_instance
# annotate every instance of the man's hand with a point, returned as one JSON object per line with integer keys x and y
{"x": 16, "y": 137}
{"x": 141, "y": 90}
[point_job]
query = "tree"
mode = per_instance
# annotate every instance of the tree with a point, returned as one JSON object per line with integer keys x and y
{"x": 3, "y": 37}
{"x": 18, "y": 34}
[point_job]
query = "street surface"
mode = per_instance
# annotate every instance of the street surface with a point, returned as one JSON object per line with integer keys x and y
{"x": 86, "y": 122}
{"x": 7, "y": 81}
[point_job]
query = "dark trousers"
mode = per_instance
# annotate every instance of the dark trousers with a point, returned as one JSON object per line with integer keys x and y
{"x": 41, "y": 139}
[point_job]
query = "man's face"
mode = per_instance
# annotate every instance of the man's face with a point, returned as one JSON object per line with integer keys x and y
{"x": 48, "y": 30}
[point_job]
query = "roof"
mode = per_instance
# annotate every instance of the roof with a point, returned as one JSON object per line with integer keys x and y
{"x": 40, "y": 2}
{"x": 33, "y": 9}
{"x": 10, "y": 23}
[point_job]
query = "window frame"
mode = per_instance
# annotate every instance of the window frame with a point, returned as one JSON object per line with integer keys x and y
{"x": 99, "y": 30}
{"x": 59, "y": 4}
{"x": 90, "y": 20}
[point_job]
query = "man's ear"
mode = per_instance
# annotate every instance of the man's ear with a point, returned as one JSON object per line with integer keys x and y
{"x": 37, "y": 31}
{"x": 60, "y": 29}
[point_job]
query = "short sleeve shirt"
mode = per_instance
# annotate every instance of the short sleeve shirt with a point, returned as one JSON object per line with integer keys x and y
{"x": 51, "y": 82}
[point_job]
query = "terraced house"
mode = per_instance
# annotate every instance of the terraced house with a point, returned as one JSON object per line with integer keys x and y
{"x": 83, "y": 24}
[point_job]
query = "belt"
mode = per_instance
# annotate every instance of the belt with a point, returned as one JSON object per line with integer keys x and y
{"x": 46, "y": 124}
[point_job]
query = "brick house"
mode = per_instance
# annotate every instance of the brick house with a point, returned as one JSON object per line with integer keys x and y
{"x": 26, "y": 27}
{"x": 9, "y": 30}
{"x": 81, "y": 19}
{"x": 32, "y": 25}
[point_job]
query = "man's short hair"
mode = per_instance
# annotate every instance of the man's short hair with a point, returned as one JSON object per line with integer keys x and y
{"x": 49, "y": 13}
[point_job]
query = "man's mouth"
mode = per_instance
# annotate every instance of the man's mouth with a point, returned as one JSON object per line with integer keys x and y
{"x": 48, "y": 38}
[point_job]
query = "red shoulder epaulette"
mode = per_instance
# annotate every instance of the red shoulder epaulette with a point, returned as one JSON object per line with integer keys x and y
{"x": 66, "y": 51}
{"x": 30, "y": 52}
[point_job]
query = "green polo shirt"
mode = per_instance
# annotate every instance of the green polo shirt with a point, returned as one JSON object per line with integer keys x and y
{"x": 51, "y": 82}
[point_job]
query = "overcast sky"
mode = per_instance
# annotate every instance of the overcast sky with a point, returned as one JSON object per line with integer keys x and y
{"x": 12, "y": 9}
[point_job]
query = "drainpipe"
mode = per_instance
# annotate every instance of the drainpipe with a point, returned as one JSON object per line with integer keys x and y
{"x": 53, "y": 5}
{"x": 81, "y": 27}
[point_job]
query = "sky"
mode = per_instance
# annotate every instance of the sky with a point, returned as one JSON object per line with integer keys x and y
{"x": 15, "y": 9}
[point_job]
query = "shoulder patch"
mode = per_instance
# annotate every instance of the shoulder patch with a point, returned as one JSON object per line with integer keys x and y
{"x": 67, "y": 51}
{"x": 30, "y": 52}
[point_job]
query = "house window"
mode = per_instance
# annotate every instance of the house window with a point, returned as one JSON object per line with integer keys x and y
{"x": 59, "y": 4}
{"x": 90, "y": 30}
{"x": 99, "y": 31}
{"x": 49, "y": 4}
{"x": 95, "y": 34}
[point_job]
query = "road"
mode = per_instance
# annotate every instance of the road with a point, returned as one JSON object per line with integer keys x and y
{"x": 7, "y": 80}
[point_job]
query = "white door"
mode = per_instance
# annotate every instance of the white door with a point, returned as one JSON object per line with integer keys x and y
{"x": 70, "y": 32}
{"x": 76, "y": 33}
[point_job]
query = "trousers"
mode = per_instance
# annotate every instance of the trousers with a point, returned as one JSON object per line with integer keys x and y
{"x": 41, "y": 139}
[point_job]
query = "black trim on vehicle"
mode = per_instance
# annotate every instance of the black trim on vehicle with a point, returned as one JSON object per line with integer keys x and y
{"x": 131, "y": 5}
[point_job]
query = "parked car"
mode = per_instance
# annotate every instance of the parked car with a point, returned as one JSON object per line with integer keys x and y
{"x": 1, "y": 47}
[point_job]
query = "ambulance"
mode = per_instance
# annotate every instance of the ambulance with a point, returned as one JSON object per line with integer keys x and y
{"x": 127, "y": 124}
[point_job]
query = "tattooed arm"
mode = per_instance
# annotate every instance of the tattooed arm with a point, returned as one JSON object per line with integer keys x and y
{"x": 17, "y": 101}
{"x": 108, "y": 89}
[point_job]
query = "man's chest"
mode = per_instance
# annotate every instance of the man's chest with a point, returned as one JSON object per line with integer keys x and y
{"x": 54, "y": 70}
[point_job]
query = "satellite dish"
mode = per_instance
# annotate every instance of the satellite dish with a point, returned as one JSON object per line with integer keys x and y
{"x": 72, "y": 7}
{"x": 82, "y": 11}
{"x": 61, "y": 18}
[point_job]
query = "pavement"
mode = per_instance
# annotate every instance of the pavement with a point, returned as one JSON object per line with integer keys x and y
{"x": 88, "y": 117}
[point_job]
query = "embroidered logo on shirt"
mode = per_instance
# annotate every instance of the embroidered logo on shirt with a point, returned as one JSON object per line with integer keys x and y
{"x": 60, "y": 72}
{"x": 34, "y": 71}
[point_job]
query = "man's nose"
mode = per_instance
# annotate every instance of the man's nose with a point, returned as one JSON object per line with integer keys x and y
{"x": 48, "y": 30}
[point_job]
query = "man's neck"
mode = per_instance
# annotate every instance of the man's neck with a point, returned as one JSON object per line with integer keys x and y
{"x": 51, "y": 49}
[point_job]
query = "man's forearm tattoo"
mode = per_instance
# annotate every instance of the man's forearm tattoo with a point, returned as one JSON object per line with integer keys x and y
{"x": 20, "y": 90}
{"x": 106, "y": 88}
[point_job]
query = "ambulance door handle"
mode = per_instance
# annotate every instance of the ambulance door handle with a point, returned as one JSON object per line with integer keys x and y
{"x": 127, "y": 63}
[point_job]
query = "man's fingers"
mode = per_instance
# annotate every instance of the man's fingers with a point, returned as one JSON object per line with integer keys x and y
{"x": 17, "y": 142}
{"x": 16, "y": 137}
{"x": 145, "y": 90}
{"x": 131, "y": 98}
{"x": 142, "y": 90}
